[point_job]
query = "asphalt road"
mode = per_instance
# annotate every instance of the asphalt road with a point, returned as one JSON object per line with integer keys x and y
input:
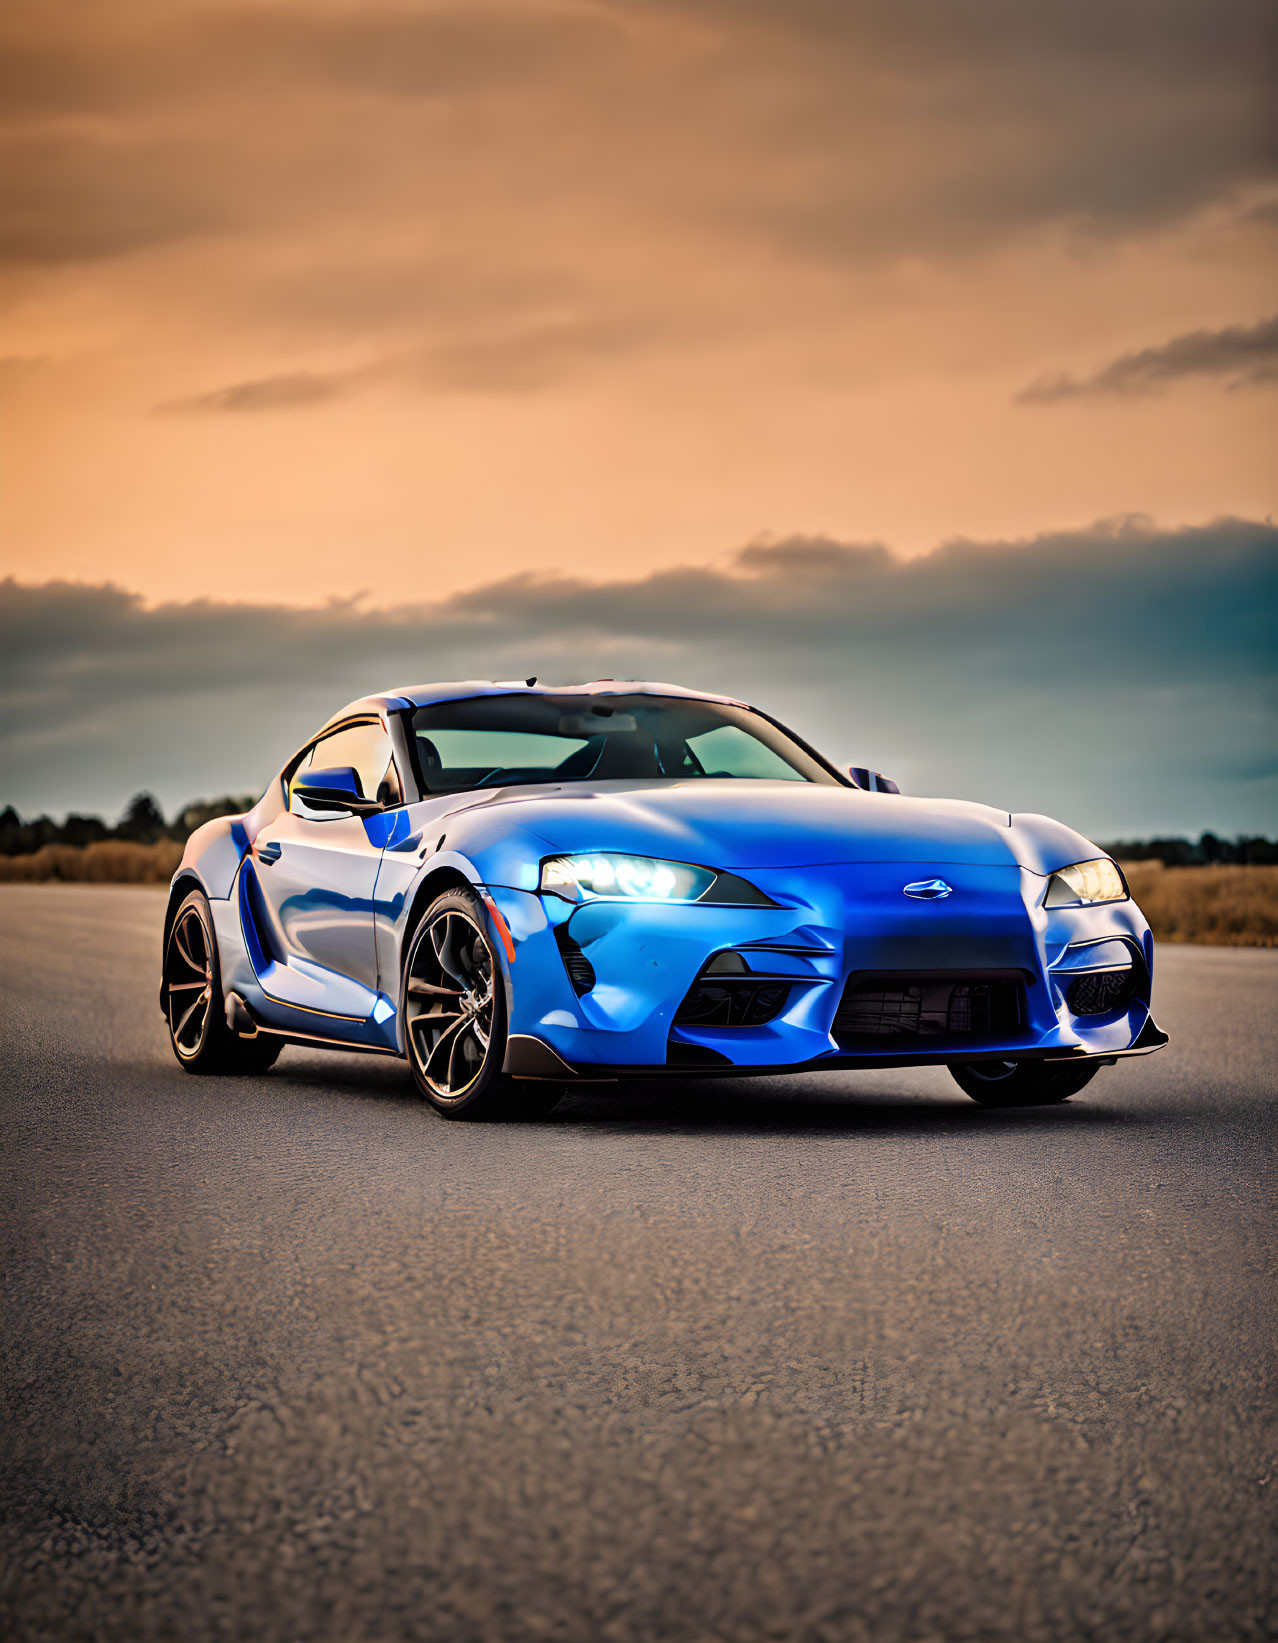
{"x": 831, "y": 1359}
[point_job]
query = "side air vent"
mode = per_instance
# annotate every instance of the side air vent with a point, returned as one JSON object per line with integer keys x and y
{"x": 581, "y": 972}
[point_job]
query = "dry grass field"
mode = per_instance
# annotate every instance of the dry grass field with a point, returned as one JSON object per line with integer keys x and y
{"x": 112, "y": 861}
{"x": 1219, "y": 906}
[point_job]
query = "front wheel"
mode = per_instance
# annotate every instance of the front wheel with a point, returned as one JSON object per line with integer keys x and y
{"x": 193, "y": 1002}
{"x": 1022, "y": 1083}
{"x": 454, "y": 1014}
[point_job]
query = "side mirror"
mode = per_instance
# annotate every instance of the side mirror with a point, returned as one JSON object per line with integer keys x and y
{"x": 870, "y": 781}
{"x": 324, "y": 793}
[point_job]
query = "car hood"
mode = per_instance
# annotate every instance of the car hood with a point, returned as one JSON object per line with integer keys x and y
{"x": 742, "y": 824}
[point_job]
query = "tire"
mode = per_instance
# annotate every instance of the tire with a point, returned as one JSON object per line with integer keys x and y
{"x": 453, "y": 1005}
{"x": 1022, "y": 1083}
{"x": 193, "y": 1001}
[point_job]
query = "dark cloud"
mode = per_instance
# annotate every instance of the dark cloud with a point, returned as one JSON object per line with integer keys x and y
{"x": 436, "y": 53}
{"x": 131, "y": 123}
{"x": 75, "y": 195}
{"x": 63, "y": 58}
{"x": 278, "y": 393}
{"x": 1246, "y": 354}
{"x": 1263, "y": 215}
{"x": 926, "y": 126}
{"x": 840, "y": 129}
{"x": 1120, "y": 676}
{"x": 517, "y": 361}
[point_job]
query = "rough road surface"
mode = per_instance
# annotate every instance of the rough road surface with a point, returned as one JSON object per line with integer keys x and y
{"x": 822, "y": 1359}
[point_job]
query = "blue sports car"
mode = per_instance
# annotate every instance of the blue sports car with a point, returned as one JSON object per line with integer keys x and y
{"x": 521, "y": 888}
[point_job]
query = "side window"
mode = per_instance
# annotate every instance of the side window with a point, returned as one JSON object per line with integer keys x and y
{"x": 366, "y": 748}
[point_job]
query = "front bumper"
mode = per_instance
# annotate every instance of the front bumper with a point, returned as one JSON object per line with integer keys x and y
{"x": 830, "y": 923}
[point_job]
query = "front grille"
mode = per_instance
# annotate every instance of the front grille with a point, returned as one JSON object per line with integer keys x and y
{"x": 908, "y": 1008}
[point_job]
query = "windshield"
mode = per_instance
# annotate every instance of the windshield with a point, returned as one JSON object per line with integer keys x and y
{"x": 498, "y": 741}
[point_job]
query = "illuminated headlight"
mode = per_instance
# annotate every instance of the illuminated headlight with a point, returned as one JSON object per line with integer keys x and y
{"x": 616, "y": 877}
{"x": 1086, "y": 881}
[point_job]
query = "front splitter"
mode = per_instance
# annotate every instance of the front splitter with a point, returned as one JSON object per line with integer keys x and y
{"x": 529, "y": 1057}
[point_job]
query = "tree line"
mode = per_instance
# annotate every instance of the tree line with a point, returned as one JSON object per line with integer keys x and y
{"x": 1208, "y": 851}
{"x": 143, "y": 822}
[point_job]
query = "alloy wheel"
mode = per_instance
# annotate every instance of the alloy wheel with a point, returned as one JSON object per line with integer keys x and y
{"x": 449, "y": 1003}
{"x": 188, "y": 982}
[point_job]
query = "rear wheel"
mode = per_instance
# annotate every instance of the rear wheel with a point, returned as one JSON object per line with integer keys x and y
{"x": 454, "y": 1013}
{"x": 1022, "y": 1083}
{"x": 194, "y": 1004}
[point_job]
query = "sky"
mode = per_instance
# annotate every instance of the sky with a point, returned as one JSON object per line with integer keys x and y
{"x": 907, "y": 366}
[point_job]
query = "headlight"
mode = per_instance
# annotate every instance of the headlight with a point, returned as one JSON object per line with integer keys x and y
{"x": 643, "y": 878}
{"x": 1086, "y": 881}
{"x": 633, "y": 878}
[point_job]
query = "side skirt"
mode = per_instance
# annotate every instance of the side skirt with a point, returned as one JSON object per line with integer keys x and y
{"x": 244, "y": 1024}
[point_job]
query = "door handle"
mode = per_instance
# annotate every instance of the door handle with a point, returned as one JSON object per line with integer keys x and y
{"x": 267, "y": 853}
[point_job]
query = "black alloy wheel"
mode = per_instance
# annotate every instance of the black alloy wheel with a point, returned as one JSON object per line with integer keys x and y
{"x": 193, "y": 1001}
{"x": 1022, "y": 1083}
{"x": 454, "y": 1011}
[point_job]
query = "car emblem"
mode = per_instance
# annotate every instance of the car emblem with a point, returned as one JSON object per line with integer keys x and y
{"x": 929, "y": 890}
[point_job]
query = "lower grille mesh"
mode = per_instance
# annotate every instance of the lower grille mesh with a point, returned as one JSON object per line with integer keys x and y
{"x": 907, "y": 1008}
{"x": 1101, "y": 992}
{"x": 732, "y": 1001}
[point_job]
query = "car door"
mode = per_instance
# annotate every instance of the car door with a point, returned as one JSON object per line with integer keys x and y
{"x": 315, "y": 873}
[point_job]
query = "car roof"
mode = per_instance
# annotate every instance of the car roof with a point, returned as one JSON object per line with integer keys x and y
{"x": 409, "y": 696}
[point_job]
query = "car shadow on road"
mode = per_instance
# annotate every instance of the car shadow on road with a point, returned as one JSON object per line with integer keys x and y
{"x": 737, "y": 1106}
{"x": 698, "y": 1108}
